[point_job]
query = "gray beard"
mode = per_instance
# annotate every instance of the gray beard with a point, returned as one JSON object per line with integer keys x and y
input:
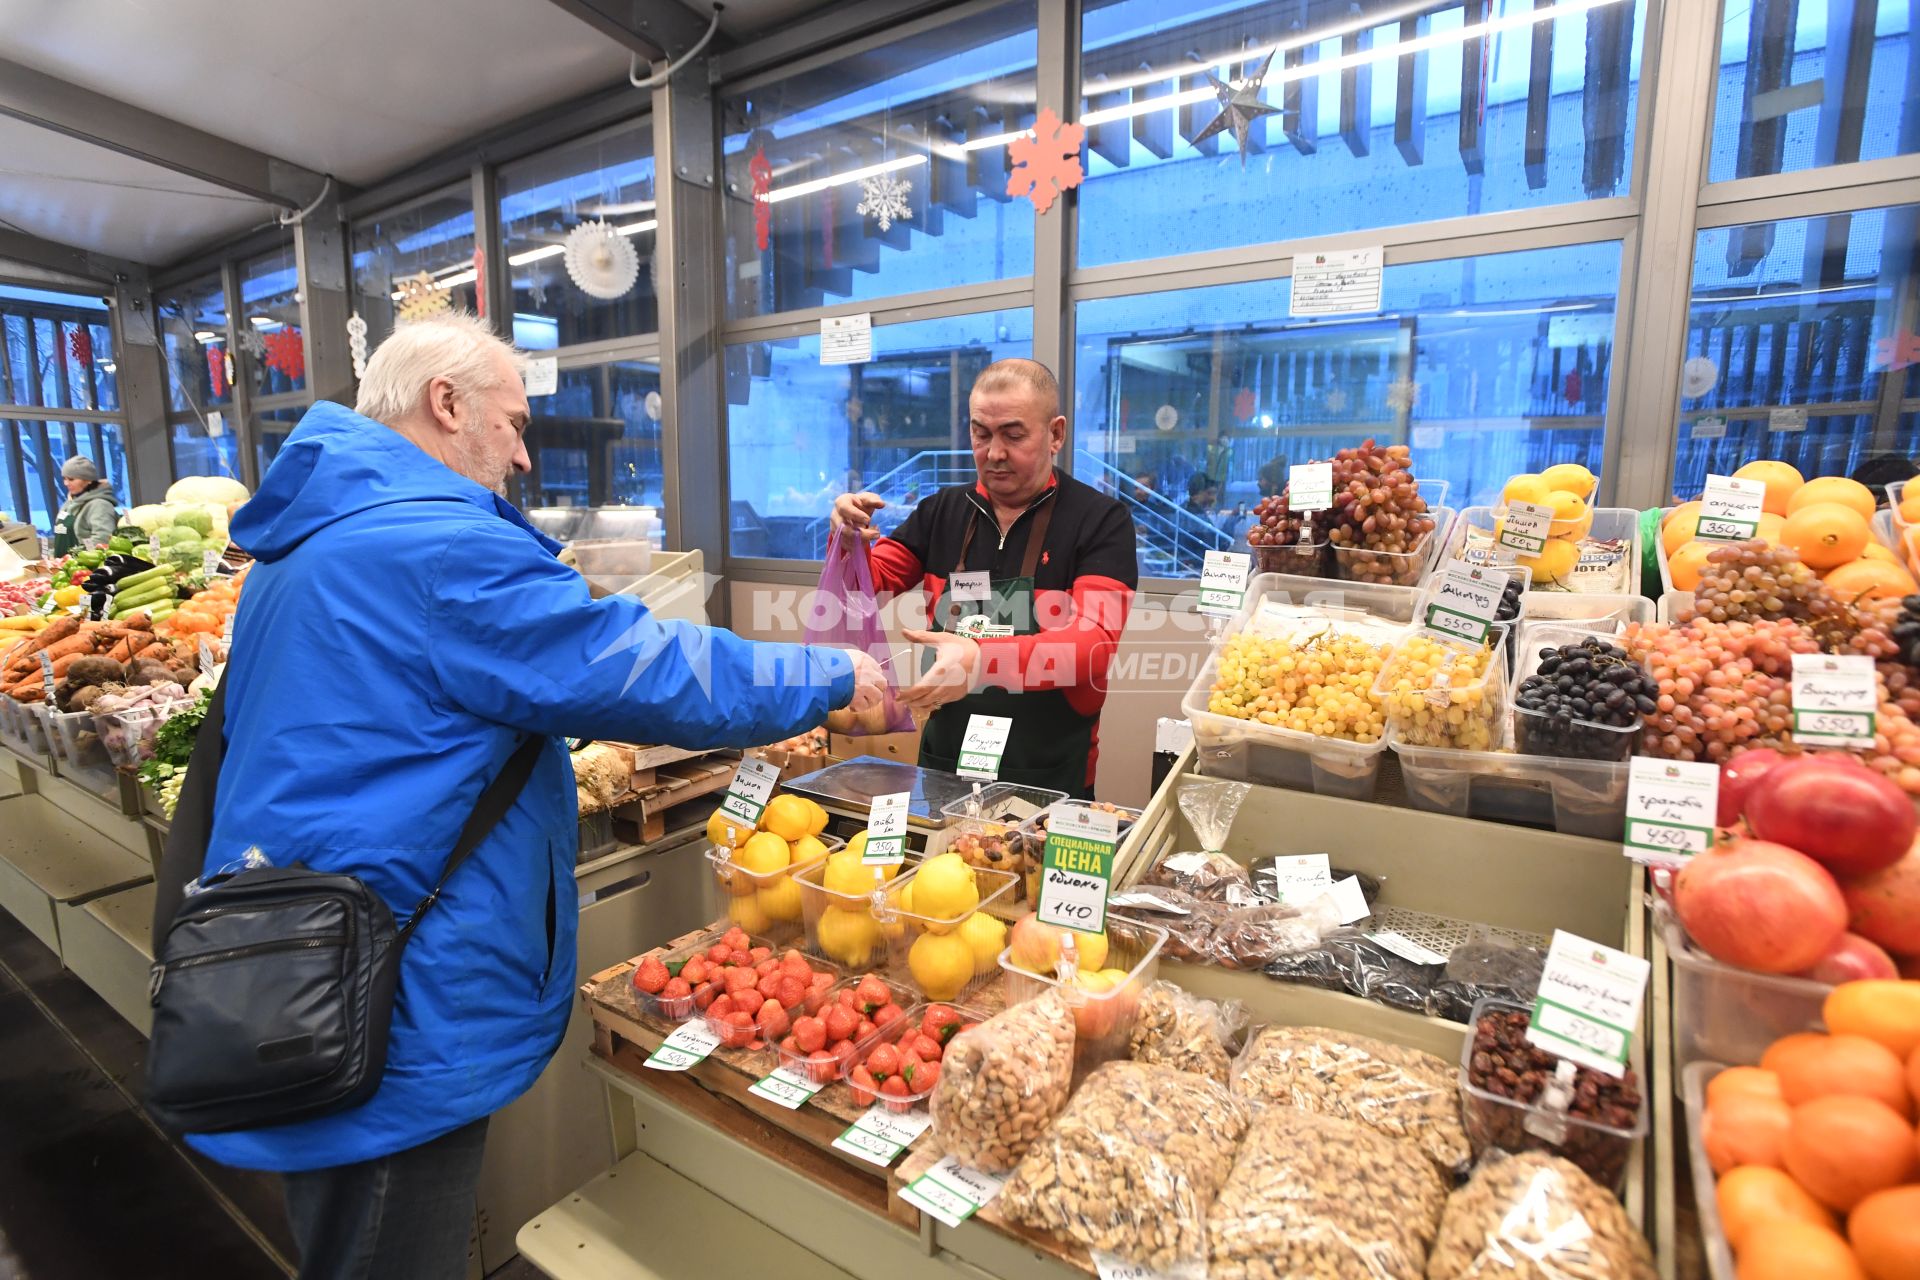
{"x": 472, "y": 461}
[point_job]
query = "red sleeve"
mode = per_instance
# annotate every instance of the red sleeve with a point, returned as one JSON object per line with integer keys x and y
{"x": 1078, "y": 631}
{"x": 895, "y": 568}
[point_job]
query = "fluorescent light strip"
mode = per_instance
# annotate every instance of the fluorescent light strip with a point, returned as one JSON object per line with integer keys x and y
{"x": 841, "y": 179}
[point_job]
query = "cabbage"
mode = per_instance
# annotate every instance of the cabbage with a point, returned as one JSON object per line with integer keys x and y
{"x": 194, "y": 518}
{"x": 217, "y": 490}
{"x": 150, "y": 517}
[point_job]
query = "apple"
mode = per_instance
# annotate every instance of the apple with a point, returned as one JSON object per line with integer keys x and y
{"x": 1737, "y": 777}
{"x": 1851, "y": 958}
{"x": 1035, "y": 947}
{"x": 1835, "y": 810}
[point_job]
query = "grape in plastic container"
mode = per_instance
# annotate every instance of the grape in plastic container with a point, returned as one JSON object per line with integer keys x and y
{"x": 924, "y": 949}
{"x": 1451, "y": 710}
{"x": 1395, "y": 568}
{"x": 1106, "y": 1001}
{"x": 765, "y": 903}
{"x": 902, "y": 997}
{"x": 1537, "y": 734}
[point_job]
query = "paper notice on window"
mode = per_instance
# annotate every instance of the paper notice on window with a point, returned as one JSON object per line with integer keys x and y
{"x": 846, "y": 339}
{"x": 1342, "y": 282}
{"x": 543, "y": 376}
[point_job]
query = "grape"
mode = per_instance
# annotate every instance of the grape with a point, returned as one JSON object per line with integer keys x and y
{"x": 1376, "y": 519}
{"x": 1578, "y": 692}
{"x": 1755, "y": 582}
{"x": 1322, "y": 685}
{"x": 1438, "y": 695}
{"x": 1722, "y": 685}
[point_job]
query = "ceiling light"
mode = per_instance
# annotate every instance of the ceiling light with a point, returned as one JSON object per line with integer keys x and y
{"x": 263, "y": 322}
{"x": 852, "y": 175}
{"x": 206, "y": 335}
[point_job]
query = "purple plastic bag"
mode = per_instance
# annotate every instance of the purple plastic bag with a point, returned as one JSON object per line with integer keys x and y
{"x": 843, "y": 613}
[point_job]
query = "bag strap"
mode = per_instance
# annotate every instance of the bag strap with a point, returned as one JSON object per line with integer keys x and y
{"x": 487, "y": 813}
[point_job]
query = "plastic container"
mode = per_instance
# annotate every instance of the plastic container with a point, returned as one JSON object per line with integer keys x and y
{"x": 840, "y": 1067}
{"x": 613, "y": 564}
{"x": 1454, "y": 713}
{"x": 35, "y": 737}
{"x": 1030, "y": 841}
{"x": 81, "y": 758}
{"x": 1103, "y": 1021}
{"x": 905, "y": 927}
{"x": 896, "y": 1031}
{"x": 983, "y": 827}
{"x": 1295, "y": 559}
{"x": 596, "y": 835}
{"x": 128, "y": 735}
{"x": 764, "y": 904}
{"x": 1609, "y": 524}
{"x": 13, "y": 728}
{"x": 852, "y": 936}
{"x": 1724, "y": 1014}
{"x": 1573, "y": 797}
{"x": 1600, "y": 1151}
{"x": 1607, "y": 614}
{"x": 680, "y": 1008}
{"x": 1694, "y": 1080}
{"x": 1538, "y": 734}
{"x": 1395, "y": 568}
{"x": 1268, "y": 591}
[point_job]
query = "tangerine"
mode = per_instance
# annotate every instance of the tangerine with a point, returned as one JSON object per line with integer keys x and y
{"x": 1745, "y": 1129}
{"x": 1782, "y": 479}
{"x": 1869, "y": 578}
{"x": 1794, "y": 1250}
{"x": 1882, "y": 1009}
{"x": 1826, "y": 535}
{"x": 1879, "y": 551}
{"x": 1778, "y": 1053}
{"x": 1848, "y": 493}
{"x": 1884, "y": 1230}
{"x": 1770, "y": 527}
{"x": 1742, "y": 1081}
{"x": 1847, "y": 1065}
{"x": 1842, "y": 1149}
{"x": 1754, "y": 1195}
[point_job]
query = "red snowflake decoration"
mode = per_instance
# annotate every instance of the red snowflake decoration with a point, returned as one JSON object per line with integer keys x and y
{"x": 1048, "y": 162}
{"x": 1244, "y": 404}
{"x": 217, "y": 371}
{"x": 80, "y": 342}
{"x": 1897, "y": 352}
{"x": 1572, "y": 387}
{"x": 286, "y": 353}
{"x": 480, "y": 282}
{"x": 762, "y": 174}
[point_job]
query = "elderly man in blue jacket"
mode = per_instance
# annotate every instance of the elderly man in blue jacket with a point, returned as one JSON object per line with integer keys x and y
{"x": 403, "y": 629}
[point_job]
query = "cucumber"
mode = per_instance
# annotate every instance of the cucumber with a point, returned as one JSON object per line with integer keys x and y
{"x": 132, "y": 580}
{"x": 143, "y": 591}
{"x": 161, "y": 611}
{"x": 124, "y": 604}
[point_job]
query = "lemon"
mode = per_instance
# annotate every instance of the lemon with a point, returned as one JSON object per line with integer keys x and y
{"x": 746, "y": 913}
{"x": 858, "y": 845}
{"x": 848, "y": 935}
{"x": 816, "y": 817}
{"x": 1571, "y": 515}
{"x": 1572, "y": 477}
{"x": 807, "y": 849}
{"x": 985, "y": 935}
{"x": 764, "y": 854}
{"x": 941, "y": 963}
{"x": 943, "y": 891}
{"x": 901, "y": 902}
{"x": 780, "y": 899}
{"x": 1555, "y": 561}
{"x": 788, "y": 817}
{"x": 1526, "y": 487}
{"x": 845, "y": 873}
{"x": 725, "y": 832}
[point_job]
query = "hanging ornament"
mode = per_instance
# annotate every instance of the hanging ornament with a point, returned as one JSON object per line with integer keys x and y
{"x": 286, "y": 353}
{"x": 357, "y": 344}
{"x": 652, "y": 405}
{"x": 1571, "y": 388}
{"x": 601, "y": 261}
{"x": 883, "y": 198}
{"x": 1896, "y": 352}
{"x": 762, "y": 174}
{"x": 251, "y": 342}
{"x": 1402, "y": 395}
{"x": 1165, "y": 418}
{"x": 480, "y": 282}
{"x": 1239, "y": 107}
{"x": 80, "y": 343}
{"x": 1243, "y": 404}
{"x": 1047, "y": 163}
{"x": 217, "y": 371}
{"x": 421, "y": 298}
{"x": 227, "y": 363}
{"x": 1336, "y": 401}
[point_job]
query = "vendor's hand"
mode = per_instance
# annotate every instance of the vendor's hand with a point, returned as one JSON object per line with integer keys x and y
{"x": 950, "y": 678}
{"x": 853, "y": 514}
{"x": 869, "y": 682}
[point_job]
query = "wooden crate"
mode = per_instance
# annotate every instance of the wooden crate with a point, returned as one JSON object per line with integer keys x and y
{"x": 643, "y": 819}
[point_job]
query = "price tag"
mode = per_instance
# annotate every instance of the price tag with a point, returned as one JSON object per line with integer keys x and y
{"x": 1589, "y": 1003}
{"x": 47, "y": 678}
{"x": 970, "y": 586}
{"x": 1112, "y": 1267}
{"x": 1787, "y": 418}
{"x": 153, "y": 549}
{"x": 981, "y": 747}
{"x": 952, "y": 1192}
{"x": 1406, "y": 948}
{"x": 1076, "y": 867}
{"x": 879, "y": 1136}
{"x": 787, "y": 1087}
{"x": 1309, "y": 487}
{"x": 1670, "y": 809}
{"x": 846, "y": 339}
{"x": 1350, "y": 900}
{"x": 207, "y": 663}
{"x": 1524, "y": 531}
{"x": 1835, "y": 701}
{"x": 1302, "y": 877}
{"x": 542, "y": 376}
{"x": 1712, "y": 427}
{"x": 1730, "y": 509}
{"x": 748, "y": 793}
{"x": 209, "y": 563}
{"x": 887, "y": 830}
{"x": 1223, "y": 582}
{"x": 1465, "y": 600}
{"x": 688, "y": 1046}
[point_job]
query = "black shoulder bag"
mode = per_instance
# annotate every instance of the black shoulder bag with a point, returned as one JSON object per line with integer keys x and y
{"x": 273, "y": 988}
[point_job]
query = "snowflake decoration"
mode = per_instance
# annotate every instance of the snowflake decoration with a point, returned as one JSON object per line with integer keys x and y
{"x": 250, "y": 341}
{"x": 1336, "y": 401}
{"x": 286, "y": 353}
{"x": 883, "y": 198}
{"x": 357, "y": 344}
{"x": 1402, "y": 395}
{"x": 1047, "y": 163}
{"x": 601, "y": 261}
{"x": 420, "y": 298}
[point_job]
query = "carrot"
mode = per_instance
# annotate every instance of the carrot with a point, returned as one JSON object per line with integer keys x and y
{"x": 60, "y": 665}
{"x": 32, "y": 693}
{"x": 122, "y": 651}
{"x": 71, "y": 645}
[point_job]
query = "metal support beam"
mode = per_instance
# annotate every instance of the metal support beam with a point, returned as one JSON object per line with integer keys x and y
{"x": 654, "y": 29}
{"x": 241, "y": 408}
{"x": 37, "y": 98}
{"x": 494, "y": 289}
{"x": 46, "y": 255}
{"x": 1057, "y": 87}
{"x": 320, "y": 256}
{"x": 140, "y": 370}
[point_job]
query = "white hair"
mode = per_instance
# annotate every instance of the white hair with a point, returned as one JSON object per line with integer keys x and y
{"x": 458, "y": 347}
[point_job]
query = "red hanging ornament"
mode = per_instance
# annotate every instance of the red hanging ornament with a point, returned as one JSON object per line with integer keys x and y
{"x": 217, "y": 371}
{"x": 480, "y": 282}
{"x": 286, "y": 353}
{"x": 1047, "y": 161}
{"x": 1572, "y": 387}
{"x": 1243, "y": 404}
{"x": 80, "y": 342}
{"x": 762, "y": 174}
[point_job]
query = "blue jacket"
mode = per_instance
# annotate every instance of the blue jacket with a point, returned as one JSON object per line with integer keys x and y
{"x": 401, "y": 631}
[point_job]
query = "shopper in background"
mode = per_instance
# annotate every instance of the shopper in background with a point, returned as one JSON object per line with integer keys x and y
{"x": 90, "y": 514}
{"x": 1029, "y": 573}
{"x": 1203, "y": 495}
{"x": 402, "y": 630}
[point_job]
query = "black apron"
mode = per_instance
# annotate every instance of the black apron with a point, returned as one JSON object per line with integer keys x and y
{"x": 1049, "y": 743}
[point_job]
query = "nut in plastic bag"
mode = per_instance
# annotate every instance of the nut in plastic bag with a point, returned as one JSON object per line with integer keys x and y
{"x": 1132, "y": 1166}
{"x": 1177, "y": 1029}
{"x": 1403, "y": 1093}
{"x": 1536, "y": 1217}
{"x": 1002, "y": 1083}
{"x": 1313, "y": 1195}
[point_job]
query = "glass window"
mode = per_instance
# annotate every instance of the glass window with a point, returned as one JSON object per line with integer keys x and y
{"x": 1802, "y": 345}
{"x": 1807, "y": 85}
{"x": 100, "y": 441}
{"x": 422, "y": 248}
{"x": 58, "y": 350}
{"x": 37, "y": 442}
{"x": 928, "y": 116}
{"x": 1485, "y": 366}
{"x": 193, "y": 325}
{"x": 270, "y": 430}
{"x": 799, "y": 433}
{"x": 604, "y": 179}
{"x": 204, "y": 446}
{"x": 1500, "y": 106}
{"x": 269, "y": 328}
{"x": 595, "y": 441}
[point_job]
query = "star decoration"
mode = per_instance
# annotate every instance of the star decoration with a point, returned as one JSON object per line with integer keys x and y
{"x": 1239, "y": 107}
{"x": 883, "y": 198}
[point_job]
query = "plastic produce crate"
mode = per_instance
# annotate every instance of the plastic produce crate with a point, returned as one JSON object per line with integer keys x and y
{"x": 1694, "y": 1079}
{"x": 1396, "y": 568}
{"x": 984, "y": 828}
{"x": 78, "y": 752}
{"x": 1031, "y": 840}
{"x": 764, "y": 904}
{"x": 128, "y": 735}
{"x": 1729, "y": 1015}
{"x": 896, "y": 1031}
{"x": 1535, "y": 733}
{"x": 1103, "y": 1022}
{"x": 1427, "y": 718}
{"x": 839, "y": 1067}
{"x": 1609, "y": 523}
{"x": 680, "y": 1008}
{"x": 851, "y": 935}
{"x": 906, "y": 927}
{"x": 1321, "y": 559}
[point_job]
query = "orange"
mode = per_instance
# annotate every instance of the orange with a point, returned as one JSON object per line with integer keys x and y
{"x": 1877, "y": 551}
{"x": 1752, "y": 1196}
{"x": 1782, "y": 479}
{"x": 1679, "y": 526}
{"x": 1745, "y": 1129}
{"x": 1870, "y": 579}
{"x": 1884, "y": 1230}
{"x": 1686, "y": 565}
{"x": 1910, "y": 506}
{"x": 1843, "y": 1149}
{"x": 1776, "y": 1058}
{"x": 1826, "y": 534}
{"x": 1793, "y": 1250}
{"x": 1684, "y": 509}
{"x": 1744, "y": 1081}
{"x": 1851, "y": 1065}
{"x": 1882, "y": 1009}
{"x": 1848, "y": 493}
{"x": 1770, "y": 527}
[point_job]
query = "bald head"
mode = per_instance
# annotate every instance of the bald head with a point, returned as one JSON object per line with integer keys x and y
{"x": 1028, "y": 374}
{"x": 1016, "y": 430}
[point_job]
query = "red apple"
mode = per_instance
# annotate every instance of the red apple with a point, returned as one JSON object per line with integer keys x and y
{"x": 1737, "y": 777}
{"x": 1835, "y": 810}
{"x": 1760, "y": 906}
{"x": 1885, "y": 907}
{"x": 1851, "y": 958}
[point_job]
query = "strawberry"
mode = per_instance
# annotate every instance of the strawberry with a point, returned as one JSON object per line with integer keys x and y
{"x": 884, "y": 1061}
{"x": 927, "y": 1048}
{"x": 766, "y": 967}
{"x": 820, "y": 981}
{"x": 863, "y": 1085}
{"x": 940, "y": 1023}
{"x": 748, "y": 1001}
{"x": 718, "y": 953}
{"x": 840, "y": 1023}
{"x": 736, "y": 938}
{"x": 872, "y": 993}
{"x": 894, "y": 1087}
{"x": 704, "y": 997}
{"x": 810, "y": 1034}
{"x": 739, "y": 956}
{"x": 847, "y": 999}
{"x": 796, "y": 964}
{"x": 843, "y": 1052}
{"x": 887, "y": 1014}
{"x": 769, "y": 986}
{"x": 651, "y": 976}
{"x": 739, "y": 979}
{"x": 721, "y": 1007}
{"x": 864, "y": 1030}
{"x": 760, "y": 953}
{"x": 738, "y": 1031}
{"x": 676, "y": 989}
{"x": 789, "y": 990}
{"x": 821, "y": 1066}
{"x": 926, "y": 1077}
{"x": 695, "y": 971}
{"x": 772, "y": 1020}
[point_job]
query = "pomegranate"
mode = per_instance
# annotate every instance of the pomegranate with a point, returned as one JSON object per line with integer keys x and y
{"x": 1760, "y": 906}
{"x": 1737, "y": 777}
{"x": 1885, "y": 907}
{"x": 1852, "y": 957}
{"x": 1835, "y": 810}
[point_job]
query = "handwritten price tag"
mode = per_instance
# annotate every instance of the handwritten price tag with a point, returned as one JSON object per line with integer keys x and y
{"x": 981, "y": 747}
{"x": 787, "y": 1087}
{"x": 688, "y": 1046}
{"x": 1223, "y": 583}
{"x": 1671, "y": 805}
{"x": 1309, "y": 487}
{"x": 952, "y": 1192}
{"x": 879, "y": 1136}
{"x": 1835, "y": 700}
{"x": 1589, "y": 1003}
{"x": 748, "y": 793}
{"x": 1730, "y": 509}
{"x": 887, "y": 830}
{"x": 1524, "y": 530}
{"x": 1465, "y": 600}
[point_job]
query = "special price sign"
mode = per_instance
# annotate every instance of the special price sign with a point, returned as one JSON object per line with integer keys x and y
{"x": 1076, "y": 867}
{"x": 1670, "y": 809}
{"x": 1835, "y": 700}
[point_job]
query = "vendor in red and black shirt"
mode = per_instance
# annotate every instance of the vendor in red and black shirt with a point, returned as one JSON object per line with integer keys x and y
{"x": 1030, "y": 574}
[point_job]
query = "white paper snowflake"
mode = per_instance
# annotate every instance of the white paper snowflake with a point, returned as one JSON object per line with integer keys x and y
{"x": 601, "y": 261}
{"x": 1336, "y": 401}
{"x": 884, "y": 198}
{"x": 1403, "y": 395}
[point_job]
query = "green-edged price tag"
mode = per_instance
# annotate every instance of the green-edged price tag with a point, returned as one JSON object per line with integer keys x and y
{"x": 1076, "y": 867}
{"x": 1309, "y": 487}
{"x": 1835, "y": 700}
{"x": 1589, "y": 1003}
{"x": 879, "y": 1136}
{"x": 688, "y": 1046}
{"x": 1464, "y": 602}
{"x": 748, "y": 793}
{"x": 981, "y": 747}
{"x": 1523, "y": 531}
{"x": 787, "y": 1087}
{"x": 1730, "y": 509}
{"x": 887, "y": 830}
{"x": 1223, "y": 582}
{"x": 952, "y": 1192}
{"x": 1670, "y": 809}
